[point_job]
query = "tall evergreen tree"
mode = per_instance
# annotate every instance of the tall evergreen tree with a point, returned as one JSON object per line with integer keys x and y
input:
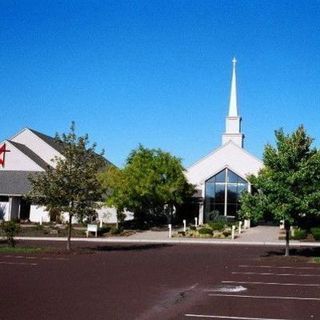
{"x": 288, "y": 187}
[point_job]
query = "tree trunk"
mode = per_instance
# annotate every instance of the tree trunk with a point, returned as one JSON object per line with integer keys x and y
{"x": 69, "y": 232}
{"x": 287, "y": 251}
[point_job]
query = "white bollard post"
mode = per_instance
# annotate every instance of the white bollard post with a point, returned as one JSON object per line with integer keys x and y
{"x": 240, "y": 223}
{"x": 40, "y": 221}
{"x": 249, "y": 223}
{"x": 170, "y": 231}
{"x": 281, "y": 224}
{"x": 184, "y": 226}
{"x": 196, "y": 221}
{"x": 100, "y": 223}
{"x": 232, "y": 232}
{"x": 292, "y": 231}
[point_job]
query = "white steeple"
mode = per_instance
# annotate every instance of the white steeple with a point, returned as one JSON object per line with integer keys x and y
{"x": 233, "y": 107}
{"x": 233, "y": 120}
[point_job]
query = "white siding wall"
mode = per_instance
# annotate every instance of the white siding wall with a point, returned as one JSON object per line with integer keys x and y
{"x": 16, "y": 160}
{"x": 108, "y": 215}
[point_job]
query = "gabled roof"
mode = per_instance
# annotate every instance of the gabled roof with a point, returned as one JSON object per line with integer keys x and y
{"x": 231, "y": 156}
{"x": 30, "y": 154}
{"x": 52, "y": 142}
{"x": 54, "y": 148}
{"x": 222, "y": 147}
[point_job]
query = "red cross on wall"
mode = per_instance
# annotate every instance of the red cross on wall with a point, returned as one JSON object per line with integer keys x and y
{"x": 3, "y": 151}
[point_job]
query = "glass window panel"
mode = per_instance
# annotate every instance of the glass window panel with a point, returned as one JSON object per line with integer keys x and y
{"x": 209, "y": 205}
{"x": 221, "y": 176}
{"x": 211, "y": 180}
{"x": 232, "y": 177}
{"x": 232, "y": 209}
{"x": 219, "y": 195}
{"x": 210, "y": 190}
{"x": 232, "y": 194}
{"x": 215, "y": 193}
{"x": 242, "y": 181}
{"x": 220, "y": 208}
{"x": 242, "y": 188}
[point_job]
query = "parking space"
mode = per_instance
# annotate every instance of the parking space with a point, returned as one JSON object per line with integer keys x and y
{"x": 158, "y": 281}
{"x": 264, "y": 292}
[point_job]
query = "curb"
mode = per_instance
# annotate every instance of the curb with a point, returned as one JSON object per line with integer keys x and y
{"x": 176, "y": 241}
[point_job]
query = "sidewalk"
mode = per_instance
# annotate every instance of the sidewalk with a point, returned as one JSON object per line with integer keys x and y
{"x": 257, "y": 236}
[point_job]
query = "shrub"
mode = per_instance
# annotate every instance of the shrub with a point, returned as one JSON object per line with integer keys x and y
{"x": 316, "y": 233}
{"x": 205, "y": 230}
{"x": 226, "y": 233}
{"x": 299, "y": 234}
{"x": 103, "y": 230}
{"x": 115, "y": 230}
{"x": 10, "y": 229}
{"x": 193, "y": 228}
{"x": 219, "y": 226}
{"x": 39, "y": 227}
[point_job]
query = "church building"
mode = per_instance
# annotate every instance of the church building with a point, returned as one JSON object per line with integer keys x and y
{"x": 27, "y": 153}
{"x": 220, "y": 177}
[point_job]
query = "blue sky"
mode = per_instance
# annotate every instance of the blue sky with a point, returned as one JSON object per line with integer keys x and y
{"x": 159, "y": 72}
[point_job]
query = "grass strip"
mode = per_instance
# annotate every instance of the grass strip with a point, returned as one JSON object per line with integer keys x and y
{"x": 20, "y": 250}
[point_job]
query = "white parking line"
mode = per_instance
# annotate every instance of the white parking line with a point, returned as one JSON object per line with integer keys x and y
{"x": 226, "y": 317}
{"x": 278, "y": 274}
{"x": 275, "y": 283}
{"x": 18, "y": 263}
{"x": 261, "y": 297}
{"x": 278, "y": 267}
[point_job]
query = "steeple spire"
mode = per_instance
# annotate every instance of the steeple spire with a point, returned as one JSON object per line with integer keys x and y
{"x": 233, "y": 120}
{"x": 233, "y": 106}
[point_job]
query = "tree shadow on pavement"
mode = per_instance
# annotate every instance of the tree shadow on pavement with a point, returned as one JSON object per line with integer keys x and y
{"x": 130, "y": 247}
{"x": 294, "y": 252}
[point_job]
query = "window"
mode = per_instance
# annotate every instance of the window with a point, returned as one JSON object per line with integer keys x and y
{"x": 222, "y": 193}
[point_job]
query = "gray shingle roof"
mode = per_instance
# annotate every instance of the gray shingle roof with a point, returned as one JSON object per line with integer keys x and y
{"x": 15, "y": 182}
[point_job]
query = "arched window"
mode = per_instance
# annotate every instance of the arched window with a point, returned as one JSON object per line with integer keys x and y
{"x": 222, "y": 192}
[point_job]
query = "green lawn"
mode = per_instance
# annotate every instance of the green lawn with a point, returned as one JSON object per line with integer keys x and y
{"x": 8, "y": 249}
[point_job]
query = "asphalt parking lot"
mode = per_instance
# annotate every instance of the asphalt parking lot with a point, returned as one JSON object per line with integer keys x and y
{"x": 154, "y": 281}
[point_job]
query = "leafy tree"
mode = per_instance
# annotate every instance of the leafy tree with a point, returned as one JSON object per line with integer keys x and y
{"x": 72, "y": 186}
{"x": 151, "y": 185}
{"x": 288, "y": 187}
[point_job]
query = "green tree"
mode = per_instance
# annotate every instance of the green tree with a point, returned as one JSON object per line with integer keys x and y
{"x": 72, "y": 186}
{"x": 288, "y": 186}
{"x": 151, "y": 185}
{"x": 10, "y": 229}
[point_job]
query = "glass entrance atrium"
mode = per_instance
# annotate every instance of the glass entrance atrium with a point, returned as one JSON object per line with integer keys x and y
{"x": 222, "y": 193}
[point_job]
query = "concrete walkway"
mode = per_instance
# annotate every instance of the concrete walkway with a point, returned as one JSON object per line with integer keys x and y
{"x": 255, "y": 234}
{"x": 261, "y": 235}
